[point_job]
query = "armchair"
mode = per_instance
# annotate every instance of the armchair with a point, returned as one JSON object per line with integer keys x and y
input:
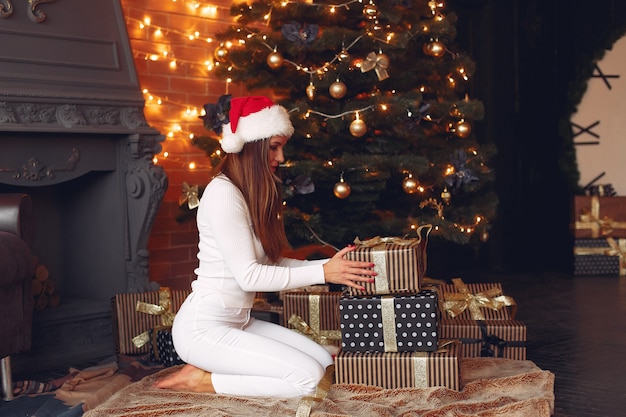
{"x": 17, "y": 266}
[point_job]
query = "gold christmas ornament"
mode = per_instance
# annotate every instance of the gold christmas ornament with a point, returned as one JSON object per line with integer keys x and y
{"x": 370, "y": 11}
{"x": 462, "y": 129}
{"x": 310, "y": 91}
{"x": 221, "y": 53}
{"x": 275, "y": 60}
{"x": 343, "y": 55}
{"x": 358, "y": 128}
{"x": 342, "y": 189}
{"x": 446, "y": 196}
{"x": 434, "y": 48}
{"x": 337, "y": 90}
{"x": 410, "y": 185}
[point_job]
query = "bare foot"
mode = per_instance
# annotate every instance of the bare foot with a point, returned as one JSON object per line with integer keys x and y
{"x": 188, "y": 378}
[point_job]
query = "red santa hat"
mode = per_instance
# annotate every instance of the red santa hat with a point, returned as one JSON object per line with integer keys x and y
{"x": 254, "y": 118}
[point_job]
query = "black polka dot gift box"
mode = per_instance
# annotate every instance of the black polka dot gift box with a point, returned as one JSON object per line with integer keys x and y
{"x": 599, "y": 257}
{"x": 162, "y": 347}
{"x": 389, "y": 323}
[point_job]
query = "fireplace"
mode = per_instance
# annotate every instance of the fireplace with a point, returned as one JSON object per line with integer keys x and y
{"x": 74, "y": 137}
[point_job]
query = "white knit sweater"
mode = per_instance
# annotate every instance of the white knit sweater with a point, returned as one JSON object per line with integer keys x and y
{"x": 232, "y": 262}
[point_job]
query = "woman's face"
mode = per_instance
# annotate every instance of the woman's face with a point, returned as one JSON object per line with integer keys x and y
{"x": 276, "y": 156}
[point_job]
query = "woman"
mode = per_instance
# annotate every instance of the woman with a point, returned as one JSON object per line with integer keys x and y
{"x": 241, "y": 239}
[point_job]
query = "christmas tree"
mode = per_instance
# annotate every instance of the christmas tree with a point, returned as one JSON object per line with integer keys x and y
{"x": 378, "y": 94}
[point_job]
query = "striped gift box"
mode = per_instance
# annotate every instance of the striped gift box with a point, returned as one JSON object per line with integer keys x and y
{"x": 319, "y": 311}
{"x": 491, "y": 338}
{"x": 400, "y": 369}
{"x": 128, "y": 322}
{"x": 400, "y": 263}
{"x": 492, "y": 290}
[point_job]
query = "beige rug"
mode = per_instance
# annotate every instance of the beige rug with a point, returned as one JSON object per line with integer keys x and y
{"x": 491, "y": 387}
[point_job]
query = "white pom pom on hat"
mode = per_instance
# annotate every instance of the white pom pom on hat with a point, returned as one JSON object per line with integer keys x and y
{"x": 254, "y": 118}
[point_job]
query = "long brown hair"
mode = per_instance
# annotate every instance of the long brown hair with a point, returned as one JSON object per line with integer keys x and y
{"x": 249, "y": 170}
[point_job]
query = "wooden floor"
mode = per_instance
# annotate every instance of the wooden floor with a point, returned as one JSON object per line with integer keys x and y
{"x": 576, "y": 329}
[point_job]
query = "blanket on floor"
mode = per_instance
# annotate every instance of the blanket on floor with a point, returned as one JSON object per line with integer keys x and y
{"x": 490, "y": 387}
{"x": 77, "y": 391}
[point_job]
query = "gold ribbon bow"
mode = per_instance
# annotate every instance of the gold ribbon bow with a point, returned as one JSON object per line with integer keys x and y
{"x": 163, "y": 310}
{"x": 189, "y": 196}
{"x": 377, "y": 62}
{"x": 382, "y": 241}
{"x": 599, "y": 226}
{"x": 323, "y": 337}
{"x": 616, "y": 248}
{"x": 456, "y": 303}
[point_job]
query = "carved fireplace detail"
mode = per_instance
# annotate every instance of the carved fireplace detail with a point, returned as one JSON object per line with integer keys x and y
{"x": 73, "y": 136}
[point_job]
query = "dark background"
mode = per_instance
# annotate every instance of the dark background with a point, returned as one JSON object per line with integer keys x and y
{"x": 533, "y": 59}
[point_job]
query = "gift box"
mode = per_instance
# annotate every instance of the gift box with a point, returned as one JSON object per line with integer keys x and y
{"x": 389, "y": 323}
{"x": 314, "y": 314}
{"x": 161, "y": 347}
{"x": 600, "y": 257}
{"x": 400, "y": 369}
{"x": 400, "y": 263}
{"x": 486, "y": 338}
{"x": 599, "y": 216}
{"x": 156, "y": 308}
{"x": 479, "y": 301}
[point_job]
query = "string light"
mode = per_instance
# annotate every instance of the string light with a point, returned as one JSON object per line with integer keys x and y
{"x": 168, "y": 38}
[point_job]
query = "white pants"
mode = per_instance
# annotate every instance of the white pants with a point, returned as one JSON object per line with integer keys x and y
{"x": 246, "y": 357}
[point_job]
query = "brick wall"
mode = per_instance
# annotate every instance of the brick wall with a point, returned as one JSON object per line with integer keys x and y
{"x": 185, "y": 86}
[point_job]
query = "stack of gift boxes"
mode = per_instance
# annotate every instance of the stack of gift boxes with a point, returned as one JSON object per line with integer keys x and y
{"x": 386, "y": 334}
{"x": 599, "y": 235}
{"x": 402, "y": 330}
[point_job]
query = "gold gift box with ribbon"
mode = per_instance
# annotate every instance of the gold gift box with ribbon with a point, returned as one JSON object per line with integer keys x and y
{"x": 134, "y": 314}
{"x": 599, "y": 217}
{"x": 314, "y": 314}
{"x": 600, "y": 257}
{"x": 476, "y": 301}
{"x": 482, "y": 319}
{"x": 400, "y": 263}
{"x": 401, "y": 369}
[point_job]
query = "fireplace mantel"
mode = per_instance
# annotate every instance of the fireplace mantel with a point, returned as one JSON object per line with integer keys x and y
{"x": 71, "y": 106}
{"x": 73, "y": 135}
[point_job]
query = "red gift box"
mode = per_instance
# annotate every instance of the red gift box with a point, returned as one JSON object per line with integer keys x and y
{"x": 599, "y": 217}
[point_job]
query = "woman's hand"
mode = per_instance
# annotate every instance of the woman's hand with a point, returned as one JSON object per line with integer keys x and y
{"x": 339, "y": 270}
